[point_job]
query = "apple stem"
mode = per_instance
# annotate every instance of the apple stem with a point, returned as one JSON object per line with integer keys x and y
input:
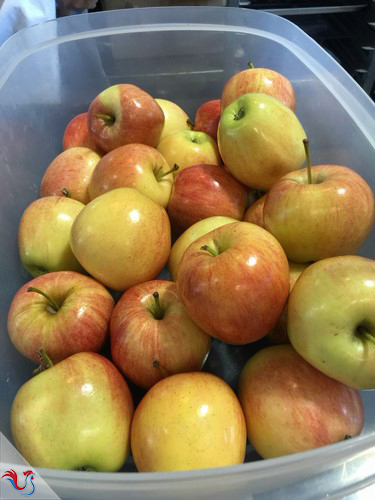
{"x": 107, "y": 118}
{"x": 190, "y": 124}
{"x": 52, "y": 303}
{"x": 156, "y": 364}
{"x": 66, "y": 193}
{"x": 213, "y": 252}
{"x": 239, "y": 115}
{"x": 163, "y": 174}
{"x": 306, "y": 145}
{"x": 45, "y": 362}
{"x": 368, "y": 336}
{"x": 157, "y": 310}
{"x": 251, "y": 65}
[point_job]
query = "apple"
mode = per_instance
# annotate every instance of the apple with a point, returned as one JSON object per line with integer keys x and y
{"x": 122, "y": 238}
{"x": 279, "y": 334}
{"x": 260, "y": 140}
{"x": 191, "y": 234}
{"x": 77, "y": 134}
{"x": 254, "y": 213}
{"x": 207, "y": 118}
{"x": 124, "y": 114}
{"x": 234, "y": 282}
{"x": 259, "y": 81}
{"x": 137, "y": 166}
{"x": 180, "y": 425}
{"x": 331, "y": 319}
{"x": 331, "y": 215}
{"x": 44, "y": 233}
{"x": 187, "y": 147}
{"x": 63, "y": 312}
{"x": 70, "y": 172}
{"x": 175, "y": 118}
{"x": 153, "y": 337}
{"x": 75, "y": 415}
{"x": 291, "y": 407}
{"x": 202, "y": 191}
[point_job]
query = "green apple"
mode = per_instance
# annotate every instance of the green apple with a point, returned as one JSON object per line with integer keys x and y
{"x": 175, "y": 118}
{"x": 122, "y": 238}
{"x": 331, "y": 319}
{"x": 74, "y": 415}
{"x": 260, "y": 140}
{"x": 44, "y": 233}
{"x": 188, "y": 147}
{"x": 191, "y": 234}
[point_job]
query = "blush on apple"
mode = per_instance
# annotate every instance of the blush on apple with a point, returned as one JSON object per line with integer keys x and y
{"x": 207, "y": 118}
{"x": 125, "y": 114}
{"x": 202, "y": 191}
{"x": 77, "y": 134}
{"x": 152, "y": 335}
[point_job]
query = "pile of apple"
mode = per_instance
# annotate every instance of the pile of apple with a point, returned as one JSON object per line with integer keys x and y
{"x": 261, "y": 247}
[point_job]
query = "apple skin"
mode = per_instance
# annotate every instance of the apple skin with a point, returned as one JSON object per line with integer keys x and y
{"x": 135, "y": 166}
{"x": 191, "y": 234}
{"x": 138, "y": 338}
{"x": 122, "y": 238}
{"x": 81, "y": 323}
{"x": 254, "y": 213}
{"x": 238, "y": 295}
{"x": 187, "y": 148}
{"x": 260, "y": 140}
{"x": 77, "y": 135}
{"x": 332, "y": 216}
{"x": 175, "y": 118}
{"x": 43, "y": 235}
{"x": 259, "y": 81}
{"x": 331, "y": 320}
{"x": 137, "y": 117}
{"x": 180, "y": 425}
{"x": 71, "y": 170}
{"x": 202, "y": 191}
{"x": 207, "y": 118}
{"x": 279, "y": 334}
{"x": 75, "y": 414}
{"x": 291, "y": 407}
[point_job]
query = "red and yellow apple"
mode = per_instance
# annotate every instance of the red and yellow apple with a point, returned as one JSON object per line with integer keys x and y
{"x": 259, "y": 81}
{"x": 124, "y": 114}
{"x": 291, "y": 407}
{"x": 136, "y": 166}
{"x": 191, "y": 234}
{"x": 234, "y": 282}
{"x": 175, "y": 117}
{"x": 332, "y": 215}
{"x": 207, "y": 118}
{"x": 254, "y": 213}
{"x": 153, "y": 337}
{"x": 63, "y": 312}
{"x": 202, "y": 191}
{"x": 70, "y": 172}
{"x": 77, "y": 134}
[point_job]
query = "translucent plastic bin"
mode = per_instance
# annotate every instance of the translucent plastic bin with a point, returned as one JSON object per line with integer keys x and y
{"x": 51, "y": 72}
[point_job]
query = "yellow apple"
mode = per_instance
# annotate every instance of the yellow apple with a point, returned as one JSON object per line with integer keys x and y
{"x": 122, "y": 238}
{"x": 175, "y": 118}
{"x": 188, "y": 421}
{"x": 43, "y": 235}
{"x": 187, "y": 147}
{"x": 191, "y": 234}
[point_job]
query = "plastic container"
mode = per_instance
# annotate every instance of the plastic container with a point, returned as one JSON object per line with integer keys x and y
{"x": 51, "y": 72}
